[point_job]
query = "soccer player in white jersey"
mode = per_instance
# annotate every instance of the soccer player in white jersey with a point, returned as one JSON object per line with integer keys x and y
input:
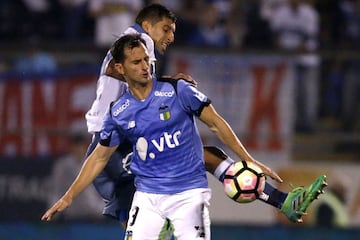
{"x": 156, "y": 24}
{"x": 157, "y": 116}
{"x": 114, "y": 184}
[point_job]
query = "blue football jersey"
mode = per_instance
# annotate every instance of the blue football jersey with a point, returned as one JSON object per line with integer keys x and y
{"x": 168, "y": 152}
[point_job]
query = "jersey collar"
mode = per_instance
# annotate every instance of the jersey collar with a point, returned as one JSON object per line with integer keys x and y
{"x": 138, "y": 28}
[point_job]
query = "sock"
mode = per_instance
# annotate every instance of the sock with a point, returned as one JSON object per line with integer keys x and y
{"x": 273, "y": 196}
{"x": 221, "y": 169}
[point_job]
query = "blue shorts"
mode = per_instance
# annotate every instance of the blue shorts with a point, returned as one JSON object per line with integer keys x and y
{"x": 114, "y": 184}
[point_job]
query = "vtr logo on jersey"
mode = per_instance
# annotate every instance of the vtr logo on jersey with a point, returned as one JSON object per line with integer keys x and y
{"x": 164, "y": 94}
{"x": 122, "y": 107}
{"x": 168, "y": 140}
{"x": 171, "y": 141}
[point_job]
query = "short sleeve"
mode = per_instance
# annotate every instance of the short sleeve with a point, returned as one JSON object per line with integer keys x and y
{"x": 110, "y": 134}
{"x": 191, "y": 99}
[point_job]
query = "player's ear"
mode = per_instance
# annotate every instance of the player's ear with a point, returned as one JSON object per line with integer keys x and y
{"x": 146, "y": 25}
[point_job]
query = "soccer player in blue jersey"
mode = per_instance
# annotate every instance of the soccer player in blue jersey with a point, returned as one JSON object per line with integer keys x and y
{"x": 157, "y": 116}
{"x": 156, "y": 24}
{"x": 66, "y": 200}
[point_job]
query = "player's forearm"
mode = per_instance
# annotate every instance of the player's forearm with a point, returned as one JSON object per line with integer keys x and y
{"x": 225, "y": 133}
{"x": 91, "y": 168}
{"x": 111, "y": 72}
{"x": 228, "y": 137}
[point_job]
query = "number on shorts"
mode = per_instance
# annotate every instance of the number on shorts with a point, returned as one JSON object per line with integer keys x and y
{"x": 133, "y": 214}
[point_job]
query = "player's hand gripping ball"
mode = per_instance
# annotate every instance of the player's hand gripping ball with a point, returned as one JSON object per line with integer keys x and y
{"x": 244, "y": 181}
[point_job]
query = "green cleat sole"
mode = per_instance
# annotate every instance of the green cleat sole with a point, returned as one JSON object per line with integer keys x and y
{"x": 314, "y": 190}
{"x": 300, "y": 198}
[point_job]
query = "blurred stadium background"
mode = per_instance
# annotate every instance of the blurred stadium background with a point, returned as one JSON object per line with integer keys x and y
{"x": 48, "y": 70}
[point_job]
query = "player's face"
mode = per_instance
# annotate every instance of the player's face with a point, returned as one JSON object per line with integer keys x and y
{"x": 136, "y": 67}
{"x": 162, "y": 33}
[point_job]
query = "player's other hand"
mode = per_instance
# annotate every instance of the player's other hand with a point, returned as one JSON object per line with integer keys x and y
{"x": 268, "y": 172}
{"x": 57, "y": 207}
{"x": 127, "y": 162}
{"x": 184, "y": 76}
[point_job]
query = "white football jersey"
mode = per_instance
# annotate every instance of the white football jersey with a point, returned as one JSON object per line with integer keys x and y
{"x": 110, "y": 89}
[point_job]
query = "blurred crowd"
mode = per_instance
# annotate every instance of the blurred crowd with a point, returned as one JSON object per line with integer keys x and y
{"x": 216, "y": 23}
{"x": 324, "y": 37}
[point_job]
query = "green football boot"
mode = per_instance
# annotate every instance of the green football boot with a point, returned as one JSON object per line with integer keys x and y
{"x": 300, "y": 198}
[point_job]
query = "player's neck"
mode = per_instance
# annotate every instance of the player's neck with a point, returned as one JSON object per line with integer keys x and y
{"x": 140, "y": 91}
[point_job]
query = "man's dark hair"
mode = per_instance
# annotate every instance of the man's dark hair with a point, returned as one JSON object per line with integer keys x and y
{"x": 126, "y": 41}
{"x": 154, "y": 13}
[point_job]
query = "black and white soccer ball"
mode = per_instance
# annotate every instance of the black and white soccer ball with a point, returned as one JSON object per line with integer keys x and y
{"x": 244, "y": 181}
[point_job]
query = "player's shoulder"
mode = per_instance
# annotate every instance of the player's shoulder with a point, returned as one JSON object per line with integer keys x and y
{"x": 120, "y": 105}
{"x": 145, "y": 36}
{"x": 169, "y": 80}
{"x": 176, "y": 84}
{"x": 180, "y": 86}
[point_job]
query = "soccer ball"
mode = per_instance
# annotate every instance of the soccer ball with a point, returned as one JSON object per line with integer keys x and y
{"x": 244, "y": 181}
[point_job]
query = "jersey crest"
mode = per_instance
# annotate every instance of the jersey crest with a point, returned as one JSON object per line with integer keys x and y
{"x": 164, "y": 112}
